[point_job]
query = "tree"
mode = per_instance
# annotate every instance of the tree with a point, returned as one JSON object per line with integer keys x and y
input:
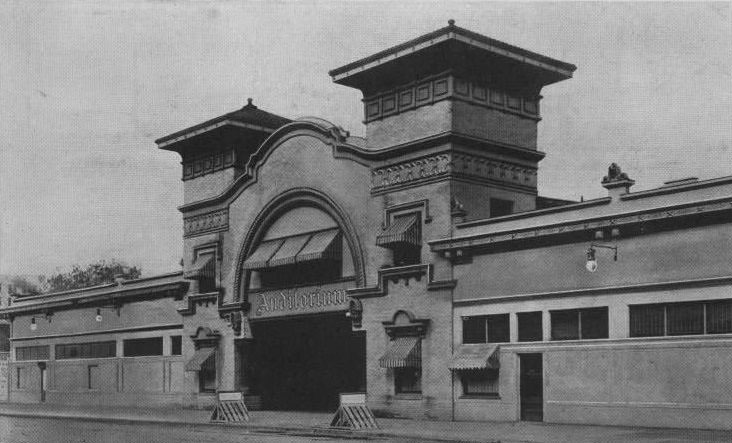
{"x": 20, "y": 286}
{"x": 99, "y": 273}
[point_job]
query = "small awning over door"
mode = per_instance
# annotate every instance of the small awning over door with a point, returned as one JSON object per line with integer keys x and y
{"x": 200, "y": 359}
{"x": 480, "y": 356}
{"x": 402, "y": 230}
{"x": 403, "y": 352}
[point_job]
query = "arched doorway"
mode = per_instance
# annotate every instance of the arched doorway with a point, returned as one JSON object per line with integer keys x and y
{"x": 295, "y": 270}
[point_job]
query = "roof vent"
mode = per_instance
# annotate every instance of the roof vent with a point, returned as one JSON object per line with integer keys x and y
{"x": 681, "y": 181}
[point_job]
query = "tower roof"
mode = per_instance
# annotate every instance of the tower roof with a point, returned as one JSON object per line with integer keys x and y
{"x": 455, "y": 49}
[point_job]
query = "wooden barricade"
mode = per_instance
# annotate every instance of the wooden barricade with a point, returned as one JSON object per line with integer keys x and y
{"x": 230, "y": 407}
{"x": 353, "y": 413}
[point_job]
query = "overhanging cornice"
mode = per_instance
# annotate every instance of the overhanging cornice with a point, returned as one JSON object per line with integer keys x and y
{"x": 506, "y": 237}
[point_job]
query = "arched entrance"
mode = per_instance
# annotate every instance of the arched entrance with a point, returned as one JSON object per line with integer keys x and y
{"x": 297, "y": 261}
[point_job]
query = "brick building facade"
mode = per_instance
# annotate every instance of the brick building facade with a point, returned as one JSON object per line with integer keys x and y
{"x": 418, "y": 264}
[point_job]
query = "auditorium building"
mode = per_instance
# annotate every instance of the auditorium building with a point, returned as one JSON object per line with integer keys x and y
{"x": 419, "y": 264}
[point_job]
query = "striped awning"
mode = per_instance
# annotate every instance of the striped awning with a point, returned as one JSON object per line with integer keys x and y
{"x": 289, "y": 250}
{"x": 203, "y": 267}
{"x": 322, "y": 245}
{"x": 300, "y": 248}
{"x": 402, "y": 230}
{"x": 403, "y": 352}
{"x": 259, "y": 258}
{"x": 480, "y": 356}
{"x": 202, "y": 358}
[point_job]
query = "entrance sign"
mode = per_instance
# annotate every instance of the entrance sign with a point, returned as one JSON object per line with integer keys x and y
{"x": 306, "y": 300}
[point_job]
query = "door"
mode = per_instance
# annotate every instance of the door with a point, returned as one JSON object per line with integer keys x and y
{"x": 44, "y": 380}
{"x": 531, "y": 387}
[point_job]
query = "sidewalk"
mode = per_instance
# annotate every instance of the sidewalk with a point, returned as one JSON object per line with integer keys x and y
{"x": 316, "y": 424}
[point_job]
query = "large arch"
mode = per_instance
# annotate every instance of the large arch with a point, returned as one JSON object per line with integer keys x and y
{"x": 278, "y": 206}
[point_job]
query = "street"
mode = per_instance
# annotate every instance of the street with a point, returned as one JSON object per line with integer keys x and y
{"x": 34, "y": 430}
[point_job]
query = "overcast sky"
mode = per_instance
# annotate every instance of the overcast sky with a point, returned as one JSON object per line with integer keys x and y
{"x": 86, "y": 87}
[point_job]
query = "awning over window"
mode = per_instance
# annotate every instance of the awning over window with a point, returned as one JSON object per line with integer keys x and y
{"x": 481, "y": 356}
{"x": 296, "y": 249}
{"x": 403, "y": 352}
{"x": 201, "y": 359}
{"x": 265, "y": 251}
{"x": 402, "y": 230}
{"x": 203, "y": 267}
{"x": 322, "y": 245}
{"x": 287, "y": 253}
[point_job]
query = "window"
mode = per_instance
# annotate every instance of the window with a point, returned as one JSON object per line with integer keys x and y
{"x": 403, "y": 236}
{"x": 408, "y": 380}
{"x": 656, "y": 320}
{"x": 500, "y": 207}
{"x": 138, "y": 347}
{"x": 529, "y": 326}
{"x": 579, "y": 324}
{"x": 100, "y": 349}
{"x": 93, "y": 377}
{"x": 175, "y": 345}
{"x": 32, "y": 353}
{"x": 482, "y": 382}
{"x": 305, "y": 273}
{"x": 18, "y": 378}
{"x": 486, "y": 329}
{"x": 4, "y": 338}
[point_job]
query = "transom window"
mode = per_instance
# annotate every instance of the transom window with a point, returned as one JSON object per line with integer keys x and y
{"x": 102, "y": 349}
{"x": 31, "y": 353}
{"x": 688, "y": 318}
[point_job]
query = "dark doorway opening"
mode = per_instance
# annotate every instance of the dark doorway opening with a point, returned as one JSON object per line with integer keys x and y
{"x": 531, "y": 387}
{"x": 44, "y": 380}
{"x": 303, "y": 363}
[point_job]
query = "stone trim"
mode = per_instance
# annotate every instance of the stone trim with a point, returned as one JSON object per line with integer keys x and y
{"x": 443, "y": 87}
{"x": 401, "y": 273}
{"x": 452, "y": 164}
{"x": 214, "y": 221}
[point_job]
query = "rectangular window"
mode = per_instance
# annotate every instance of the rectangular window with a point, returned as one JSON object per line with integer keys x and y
{"x": 719, "y": 317}
{"x": 18, "y": 378}
{"x": 138, "y": 347}
{"x": 486, "y": 329}
{"x": 579, "y": 324}
{"x": 647, "y": 321}
{"x": 529, "y": 326}
{"x": 695, "y": 318}
{"x": 4, "y": 338}
{"x": 408, "y": 380}
{"x": 500, "y": 207}
{"x": 175, "y": 345}
{"x": 482, "y": 382}
{"x": 32, "y": 353}
{"x": 474, "y": 330}
{"x": 685, "y": 319}
{"x": 99, "y": 349}
{"x": 93, "y": 377}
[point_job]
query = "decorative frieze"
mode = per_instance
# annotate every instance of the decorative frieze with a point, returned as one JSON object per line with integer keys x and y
{"x": 214, "y": 221}
{"x": 451, "y": 164}
{"x": 443, "y": 87}
{"x": 208, "y": 164}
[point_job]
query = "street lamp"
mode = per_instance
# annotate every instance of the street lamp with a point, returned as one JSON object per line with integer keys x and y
{"x": 591, "y": 264}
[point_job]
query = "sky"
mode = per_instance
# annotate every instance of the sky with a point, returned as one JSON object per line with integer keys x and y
{"x": 86, "y": 87}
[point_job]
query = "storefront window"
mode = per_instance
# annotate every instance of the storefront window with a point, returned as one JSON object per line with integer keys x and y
{"x": 482, "y": 382}
{"x": 138, "y": 347}
{"x": 408, "y": 380}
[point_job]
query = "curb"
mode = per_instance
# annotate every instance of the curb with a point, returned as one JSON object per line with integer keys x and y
{"x": 314, "y": 431}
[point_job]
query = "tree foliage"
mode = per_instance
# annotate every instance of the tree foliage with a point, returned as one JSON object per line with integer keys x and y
{"x": 99, "y": 273}
{"x": 21, "y": 286}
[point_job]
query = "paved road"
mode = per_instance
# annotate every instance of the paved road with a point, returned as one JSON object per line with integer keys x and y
{"x": 45, "y": 430}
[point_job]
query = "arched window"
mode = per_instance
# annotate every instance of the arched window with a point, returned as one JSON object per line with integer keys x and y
{"x": 303, "y": 246}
